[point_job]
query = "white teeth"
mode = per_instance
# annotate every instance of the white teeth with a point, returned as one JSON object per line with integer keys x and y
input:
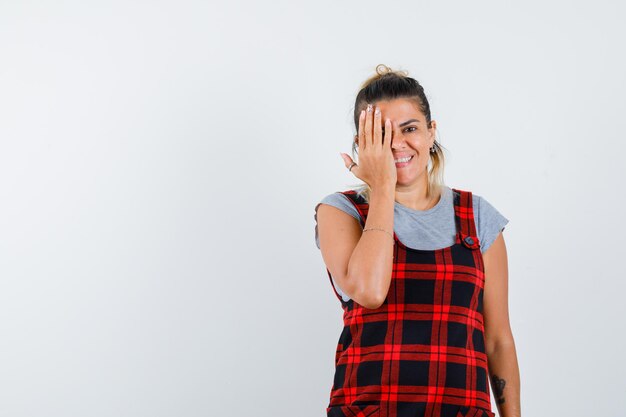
{"x": 403, "y": 159}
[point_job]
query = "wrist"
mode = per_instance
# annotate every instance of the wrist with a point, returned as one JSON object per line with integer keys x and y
{"x": 384, "y": 190}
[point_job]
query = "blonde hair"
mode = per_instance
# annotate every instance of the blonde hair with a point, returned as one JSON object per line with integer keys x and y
{"x": 388, "y": 84}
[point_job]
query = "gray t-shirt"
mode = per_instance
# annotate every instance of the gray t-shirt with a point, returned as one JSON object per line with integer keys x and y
{"x": 429, "y": 229}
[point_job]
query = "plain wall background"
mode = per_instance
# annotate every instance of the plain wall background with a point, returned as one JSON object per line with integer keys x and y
{"x": 160, "y": 163}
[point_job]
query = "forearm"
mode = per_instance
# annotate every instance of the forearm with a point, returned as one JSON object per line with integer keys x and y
{"x": 505, "y": 378}
{"x": 371, "y": 263}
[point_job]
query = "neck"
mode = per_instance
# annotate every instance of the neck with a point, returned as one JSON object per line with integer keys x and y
{"x": 414, "y": 196}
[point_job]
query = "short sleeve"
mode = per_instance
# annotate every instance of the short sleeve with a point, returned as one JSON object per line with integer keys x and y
{"x": 489, "y": 222}
{"x": 340, "y": 201}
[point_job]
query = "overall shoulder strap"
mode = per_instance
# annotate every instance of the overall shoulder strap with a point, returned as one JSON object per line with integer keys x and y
{"x": 464, "y": 216}
{"x": 359, "y": 203}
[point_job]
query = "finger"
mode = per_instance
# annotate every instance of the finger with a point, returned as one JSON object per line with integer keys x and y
{"x": 346, "y": 159}
{"x": 361, "y": 131}
{"x": 388, "y": 131}
{"x": 368, "y": 125}
{"x": 378, "y": 130}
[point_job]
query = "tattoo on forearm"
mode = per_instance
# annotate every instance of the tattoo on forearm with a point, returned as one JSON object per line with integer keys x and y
{"x": 498, "y": 388}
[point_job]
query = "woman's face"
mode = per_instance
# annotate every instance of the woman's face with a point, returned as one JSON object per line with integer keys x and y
{"x": 411, "y": 137}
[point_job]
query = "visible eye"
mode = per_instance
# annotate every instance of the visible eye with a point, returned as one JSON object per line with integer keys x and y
{"x": 410, "y": 127}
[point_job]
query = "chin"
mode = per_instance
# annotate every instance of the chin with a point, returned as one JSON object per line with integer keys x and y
{"x": 407, "y": 178}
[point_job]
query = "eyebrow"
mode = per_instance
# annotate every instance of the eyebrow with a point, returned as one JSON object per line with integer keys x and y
{"x": 407, "y": 122}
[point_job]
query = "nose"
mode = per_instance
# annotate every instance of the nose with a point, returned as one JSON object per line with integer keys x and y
{"x": 397, "y": 141}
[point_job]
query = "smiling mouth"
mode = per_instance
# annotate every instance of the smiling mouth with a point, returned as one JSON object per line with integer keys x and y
{"x": 403, "y": 162}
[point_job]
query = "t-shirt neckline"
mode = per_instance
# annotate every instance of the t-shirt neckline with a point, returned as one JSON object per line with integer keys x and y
{"x": 445, "y": 195}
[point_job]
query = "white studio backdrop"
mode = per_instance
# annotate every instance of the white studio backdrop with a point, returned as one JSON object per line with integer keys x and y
{"x": 160, "y": 163}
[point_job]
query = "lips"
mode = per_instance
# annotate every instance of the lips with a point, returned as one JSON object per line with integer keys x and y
{"x": 403, "y": 164}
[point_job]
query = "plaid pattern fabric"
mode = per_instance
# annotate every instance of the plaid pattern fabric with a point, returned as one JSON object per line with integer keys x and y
{"x": 422, "y": 352}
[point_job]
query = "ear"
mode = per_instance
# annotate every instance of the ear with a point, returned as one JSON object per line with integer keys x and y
{"x": 432, "y": 129}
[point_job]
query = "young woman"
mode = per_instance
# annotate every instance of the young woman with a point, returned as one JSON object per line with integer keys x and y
{"x": 420, "y": 270}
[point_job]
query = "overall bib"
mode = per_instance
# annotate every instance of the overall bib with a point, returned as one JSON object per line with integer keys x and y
{"x": 422, "y": 352}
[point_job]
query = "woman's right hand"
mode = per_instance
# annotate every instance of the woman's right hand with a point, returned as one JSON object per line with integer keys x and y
{"x": 376, "y": 166}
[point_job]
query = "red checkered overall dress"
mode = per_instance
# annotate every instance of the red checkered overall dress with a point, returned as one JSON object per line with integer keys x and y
{"x": 422, "y": 352}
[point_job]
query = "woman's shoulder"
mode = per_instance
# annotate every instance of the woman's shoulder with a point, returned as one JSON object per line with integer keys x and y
{"x": 340, "y": 201}
{"x": 338, "y": 197}
{"x": 478, "y": 200}
{"x": 488, "y": 219}
{"x": 482, "y": 204}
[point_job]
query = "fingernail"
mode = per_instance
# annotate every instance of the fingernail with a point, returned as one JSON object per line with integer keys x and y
{"x": 369, "y": 108}
{"x": 377, "y": 110}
